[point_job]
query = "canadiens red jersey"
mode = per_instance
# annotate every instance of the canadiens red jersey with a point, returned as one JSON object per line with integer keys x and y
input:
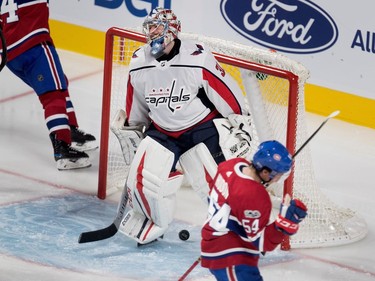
{"x": 24, "y": 24}
{"x": 238, "y": 228}
{"x": 179, "y": 93}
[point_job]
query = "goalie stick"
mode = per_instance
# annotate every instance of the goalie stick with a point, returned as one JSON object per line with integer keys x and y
{"x": 111, "y": 230}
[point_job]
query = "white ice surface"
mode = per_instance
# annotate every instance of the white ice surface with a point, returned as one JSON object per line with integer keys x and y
{"x": 42, "y": 209}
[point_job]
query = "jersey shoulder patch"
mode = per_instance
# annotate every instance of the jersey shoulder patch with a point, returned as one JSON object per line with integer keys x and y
{"x": 140, "y": 59}
{"x": 193, "y": 48}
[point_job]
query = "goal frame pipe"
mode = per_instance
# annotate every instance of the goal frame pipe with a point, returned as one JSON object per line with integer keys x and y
{"x": 106, "y": 101}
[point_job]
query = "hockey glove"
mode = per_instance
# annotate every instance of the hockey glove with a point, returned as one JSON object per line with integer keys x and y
{"x": 129, "y": 137}
{"x": 292, "y": 212}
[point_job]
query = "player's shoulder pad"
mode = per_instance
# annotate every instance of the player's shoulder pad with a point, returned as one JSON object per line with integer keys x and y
{"x": 140, "y": 57}
{"x": 194, "y": 48}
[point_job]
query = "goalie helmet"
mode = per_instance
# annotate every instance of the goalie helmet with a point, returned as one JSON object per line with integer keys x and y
{"x": 273, "y": 156}
{"x": 171, "y": 27}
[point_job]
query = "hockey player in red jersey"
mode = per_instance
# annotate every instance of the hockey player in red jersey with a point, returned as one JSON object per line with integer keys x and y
{"x": 33, "y": 58}
{"x": 176, "y": 89}
{"x": 238, "y": 227}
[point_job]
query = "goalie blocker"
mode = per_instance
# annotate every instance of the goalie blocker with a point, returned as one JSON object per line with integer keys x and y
{"x": 129, "y": 137}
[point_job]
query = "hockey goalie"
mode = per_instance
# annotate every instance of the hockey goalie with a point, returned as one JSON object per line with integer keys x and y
{"x": 184, "y": 114}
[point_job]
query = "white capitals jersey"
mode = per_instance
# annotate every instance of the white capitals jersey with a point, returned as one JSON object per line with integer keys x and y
{"x": 179, "y": 93}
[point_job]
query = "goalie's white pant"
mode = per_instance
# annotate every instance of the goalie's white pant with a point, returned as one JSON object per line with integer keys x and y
{"x": 152, "y": 192}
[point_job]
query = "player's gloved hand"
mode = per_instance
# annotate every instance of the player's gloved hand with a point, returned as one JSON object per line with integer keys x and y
{"x": 128, "y": 136}
{"x": 292, "y": 212}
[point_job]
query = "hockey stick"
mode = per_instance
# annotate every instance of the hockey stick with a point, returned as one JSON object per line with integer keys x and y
{"x": 107, "y": 232}
{"x": 4, "y": 52}
{"x": 190, "y": 269}
{"x": 333, "y": 114}
{"x": 111, "y": 230}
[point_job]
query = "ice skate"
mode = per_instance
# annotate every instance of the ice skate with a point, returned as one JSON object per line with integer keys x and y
{"x": 82, "y": 141}
{"x": 68, "y": 158}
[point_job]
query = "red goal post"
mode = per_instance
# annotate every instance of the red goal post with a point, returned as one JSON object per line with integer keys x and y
{"x": 274, "y": 87}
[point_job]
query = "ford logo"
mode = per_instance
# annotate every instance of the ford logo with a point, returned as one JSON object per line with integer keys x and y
{"x": 292, "y": 26}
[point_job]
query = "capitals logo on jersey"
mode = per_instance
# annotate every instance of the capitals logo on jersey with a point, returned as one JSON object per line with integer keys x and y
{"x": 170, "y": 97}
{"x": 198, "y": 51}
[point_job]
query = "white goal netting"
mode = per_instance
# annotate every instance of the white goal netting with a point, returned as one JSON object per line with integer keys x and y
{"x": 274, "y": 87}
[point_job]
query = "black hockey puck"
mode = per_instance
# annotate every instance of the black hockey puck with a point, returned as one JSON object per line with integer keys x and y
{"x": 184, "y": 235}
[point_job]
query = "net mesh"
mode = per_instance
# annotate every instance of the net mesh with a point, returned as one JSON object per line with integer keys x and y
{"x": 278, "y": 112}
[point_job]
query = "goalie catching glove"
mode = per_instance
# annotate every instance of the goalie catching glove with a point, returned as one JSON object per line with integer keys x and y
{"x": 292, "y": 212}
{"x": 128, "y": 136}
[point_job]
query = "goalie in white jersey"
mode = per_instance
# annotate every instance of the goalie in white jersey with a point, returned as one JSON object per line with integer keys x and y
{"x": 175, "y": 90}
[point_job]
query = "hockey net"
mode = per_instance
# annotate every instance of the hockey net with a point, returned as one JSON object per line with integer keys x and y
{"x": 274, "y": 86}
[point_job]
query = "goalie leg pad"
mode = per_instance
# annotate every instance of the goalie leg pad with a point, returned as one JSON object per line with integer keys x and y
{"x": 152, "y": 188}
{"x": 199, "y": 169}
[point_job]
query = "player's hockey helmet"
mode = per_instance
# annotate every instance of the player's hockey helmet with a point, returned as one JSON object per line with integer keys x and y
{"x": 273, "y": 156}
{"x": 172, "y": 26}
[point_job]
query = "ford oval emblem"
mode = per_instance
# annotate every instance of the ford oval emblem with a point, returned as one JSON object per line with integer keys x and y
{"x": 292, "y": 26}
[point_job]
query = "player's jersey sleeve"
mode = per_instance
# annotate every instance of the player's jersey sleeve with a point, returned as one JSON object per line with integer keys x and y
{"x": 221, "y": 88}
{"x": 136, "y": 108}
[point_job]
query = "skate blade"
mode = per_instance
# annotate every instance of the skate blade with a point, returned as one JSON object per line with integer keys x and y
{"x": 87, "y": 146}
{"x": 71, "y": 164}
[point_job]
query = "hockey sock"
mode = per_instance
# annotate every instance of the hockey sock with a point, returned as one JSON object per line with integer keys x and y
{"x": 70, "y": 110}
{"x": 55, "y": 114}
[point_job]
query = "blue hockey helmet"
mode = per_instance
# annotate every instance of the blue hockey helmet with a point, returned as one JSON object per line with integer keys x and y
{"x": 273, "y": 156}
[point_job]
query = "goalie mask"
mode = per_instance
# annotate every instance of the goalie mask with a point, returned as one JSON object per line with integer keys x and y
{"x": 161, "y": 26}
{"x": 273, "y": 156}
